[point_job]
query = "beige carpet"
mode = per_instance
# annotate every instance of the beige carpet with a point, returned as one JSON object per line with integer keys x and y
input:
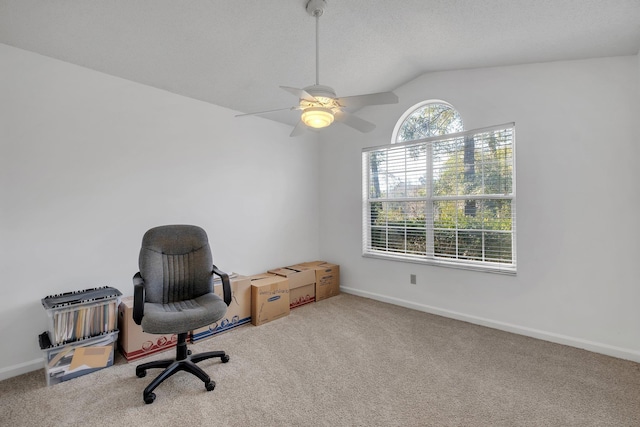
{"x": 350, "y": 361}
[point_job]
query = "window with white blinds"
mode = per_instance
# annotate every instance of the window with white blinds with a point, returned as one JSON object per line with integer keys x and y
{"x": 448, "y": 200}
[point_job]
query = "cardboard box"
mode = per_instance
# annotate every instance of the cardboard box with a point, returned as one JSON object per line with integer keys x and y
{"x": 64, "y": 362}
{"x": 134, "y": 343}
{"x": 269, "y": 298}
{"x": 327, "y": 277}
{"x": 302, "y": 285}
{"x": 238, "y": 312}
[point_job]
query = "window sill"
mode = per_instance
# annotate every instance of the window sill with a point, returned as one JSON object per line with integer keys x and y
{"x": 495, "y": 268}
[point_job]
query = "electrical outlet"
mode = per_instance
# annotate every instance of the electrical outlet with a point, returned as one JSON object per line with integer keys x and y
{"x": 412, "y": 279}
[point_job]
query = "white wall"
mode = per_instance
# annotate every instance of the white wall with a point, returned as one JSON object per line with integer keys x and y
{"x": 89, "y": 162}
{"x": 577, "y": 204}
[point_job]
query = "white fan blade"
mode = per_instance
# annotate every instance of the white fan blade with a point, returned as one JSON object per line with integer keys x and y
{"x": 267, "y": 111}
{"x": 354, "y": 121}
{"x": 358, "y": 101}
{"x": 298, "y": 129}
{"x": 300, "y": 93}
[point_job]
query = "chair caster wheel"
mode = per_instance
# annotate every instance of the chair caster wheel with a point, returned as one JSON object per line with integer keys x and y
{"x": 210, "y": 385}
{"x": 141, "y": 374}
{"x": 225, "y": 358}
{"x": 149, "y": 398}
{"x": 189, "y": 352}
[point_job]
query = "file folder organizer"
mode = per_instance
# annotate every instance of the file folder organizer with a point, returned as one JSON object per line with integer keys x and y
{"x": 67, "y": 361}
{"x": 82, "y": 314}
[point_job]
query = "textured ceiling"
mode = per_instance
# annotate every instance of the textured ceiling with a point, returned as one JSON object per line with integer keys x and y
{"x": 235, "y": 53}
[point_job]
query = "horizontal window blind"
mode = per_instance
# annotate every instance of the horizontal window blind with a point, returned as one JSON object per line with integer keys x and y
{"x": 446, "y": 200}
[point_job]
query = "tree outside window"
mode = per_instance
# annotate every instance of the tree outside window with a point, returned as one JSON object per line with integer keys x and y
{"x": 448, "y": 196}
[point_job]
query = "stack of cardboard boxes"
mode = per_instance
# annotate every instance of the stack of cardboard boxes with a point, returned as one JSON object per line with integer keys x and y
{"x": 302, "y": 285}
{"x": 258, "y": 299}
{"x": 327, "y": 278}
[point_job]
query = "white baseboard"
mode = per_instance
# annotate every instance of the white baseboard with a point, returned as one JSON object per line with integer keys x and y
{"x": 609, "y": 350}
{"x": 21, "y": 368}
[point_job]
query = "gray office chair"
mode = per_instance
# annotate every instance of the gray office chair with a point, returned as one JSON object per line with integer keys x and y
{"x": 173, "y": 294}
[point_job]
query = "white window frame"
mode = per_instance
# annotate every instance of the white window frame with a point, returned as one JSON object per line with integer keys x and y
{"x": 429, "y": 257}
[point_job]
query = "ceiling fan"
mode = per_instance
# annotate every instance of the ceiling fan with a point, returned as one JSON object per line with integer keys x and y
{"x": 319, "y": 104}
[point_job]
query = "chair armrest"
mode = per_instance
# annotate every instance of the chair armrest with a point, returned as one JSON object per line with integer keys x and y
{"x": 138, "y": 298}
{"x": 226, "y": 285}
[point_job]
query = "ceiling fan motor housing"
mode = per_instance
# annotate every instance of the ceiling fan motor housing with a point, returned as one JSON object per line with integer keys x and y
{"x": 320, "y": 91}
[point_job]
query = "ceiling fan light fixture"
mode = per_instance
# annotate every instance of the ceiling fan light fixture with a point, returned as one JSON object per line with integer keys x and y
{"x": 319, "y": 104}
{"x": 317, "y": 117}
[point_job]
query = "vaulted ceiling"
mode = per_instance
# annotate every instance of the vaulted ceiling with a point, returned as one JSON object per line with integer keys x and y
{"x": 235, "y": 53}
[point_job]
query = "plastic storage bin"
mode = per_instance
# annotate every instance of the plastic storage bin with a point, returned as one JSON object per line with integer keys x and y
{"x": 68, "y": 361}
{"x": 78, "y": 315}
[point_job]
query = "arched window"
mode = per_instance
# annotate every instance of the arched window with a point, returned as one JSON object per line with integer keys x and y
{"x": 428, "y": 118}
{"x": 441, "y": 195}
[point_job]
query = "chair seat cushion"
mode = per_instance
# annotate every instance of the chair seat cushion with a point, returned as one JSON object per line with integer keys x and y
{"x": 183, "y": 316}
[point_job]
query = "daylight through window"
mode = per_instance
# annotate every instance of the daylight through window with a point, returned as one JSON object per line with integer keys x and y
{"x": 441, "y": 195}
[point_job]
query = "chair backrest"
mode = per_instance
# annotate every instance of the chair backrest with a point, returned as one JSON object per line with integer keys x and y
{"x": 175, "y": 263}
